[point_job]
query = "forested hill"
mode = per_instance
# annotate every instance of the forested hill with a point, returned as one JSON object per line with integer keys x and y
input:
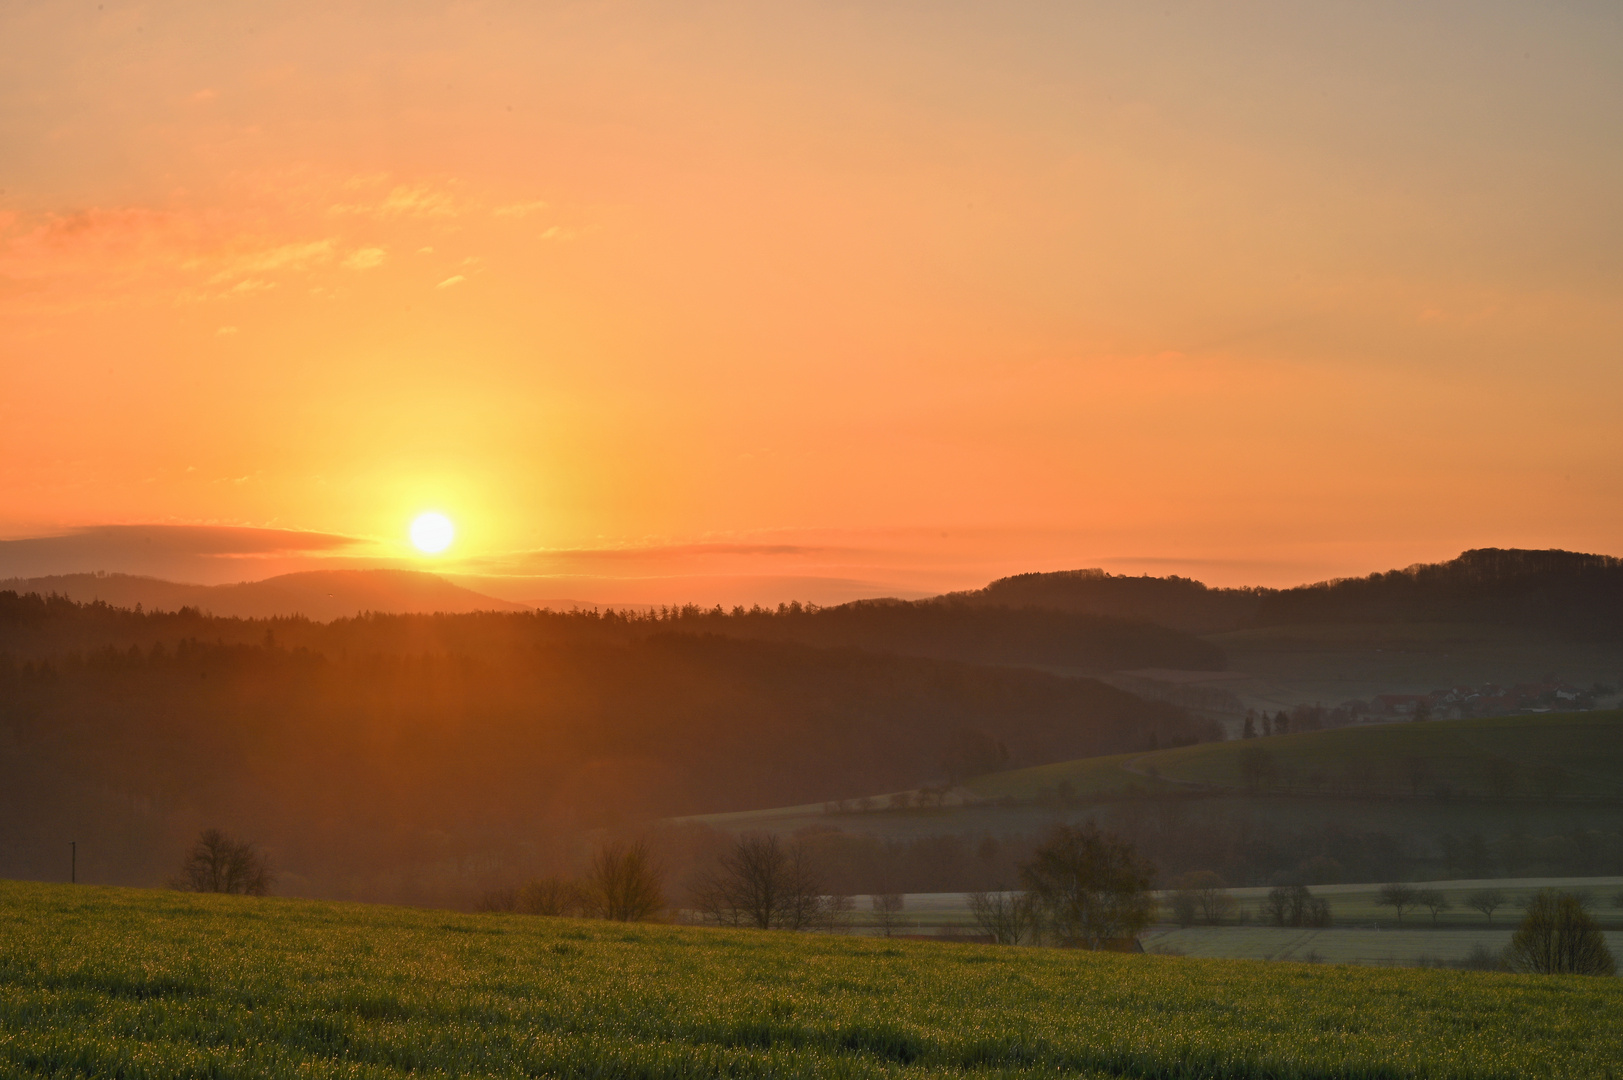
{"x": 346, "y": 744}
{"x": 1039, "y": 637}
{"x": 1567, "y": 593}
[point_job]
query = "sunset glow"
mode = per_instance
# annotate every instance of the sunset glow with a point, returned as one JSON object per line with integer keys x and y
{"x": 836, "y": 301}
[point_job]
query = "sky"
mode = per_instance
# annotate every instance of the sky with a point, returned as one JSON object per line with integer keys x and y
{"x": 760, "y": 301}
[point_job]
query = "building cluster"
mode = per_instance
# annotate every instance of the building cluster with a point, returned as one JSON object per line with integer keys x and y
{"x": 1488, "y": 699}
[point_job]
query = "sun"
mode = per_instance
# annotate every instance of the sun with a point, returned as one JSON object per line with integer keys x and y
{"x": 432, "y": 533}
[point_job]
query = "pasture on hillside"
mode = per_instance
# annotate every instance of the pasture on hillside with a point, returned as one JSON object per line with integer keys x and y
{"x": 1523, "y": 796}
{"x": 101, "y": 982}
{"x": 1551, "y": 757}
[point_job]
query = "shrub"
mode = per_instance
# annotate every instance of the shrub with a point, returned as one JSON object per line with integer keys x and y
{"x": 556, "y": 896}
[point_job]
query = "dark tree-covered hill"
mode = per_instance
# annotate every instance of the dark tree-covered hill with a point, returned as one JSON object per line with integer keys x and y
{"x": 982, "y": 634}
{"x": 1567, "y": 593}
{"x": 350, "y": 746}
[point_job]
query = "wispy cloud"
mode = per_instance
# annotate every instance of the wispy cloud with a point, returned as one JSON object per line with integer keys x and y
{"x": 365, "y": 258}
{"x": 179, "y": 552}
{"x": 297, "y": 256}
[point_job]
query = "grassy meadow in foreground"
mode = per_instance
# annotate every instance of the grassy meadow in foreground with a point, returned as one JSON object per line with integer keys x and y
{"x": 103, "y": 982}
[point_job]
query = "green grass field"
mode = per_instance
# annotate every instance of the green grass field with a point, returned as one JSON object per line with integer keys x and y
{"x": 118, "y": 983}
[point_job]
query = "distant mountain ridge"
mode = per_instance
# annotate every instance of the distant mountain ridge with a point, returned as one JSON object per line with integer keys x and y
{"x": 319, "y": 595}
{"x": 1573, "y": 593}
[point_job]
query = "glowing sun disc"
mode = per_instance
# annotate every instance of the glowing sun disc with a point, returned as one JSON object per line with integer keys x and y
{"x": 432, "y": 533}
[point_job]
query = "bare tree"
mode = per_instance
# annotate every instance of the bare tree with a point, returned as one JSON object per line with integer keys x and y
{"x": 1398, "y": 897}
{"x": 1435, "y": 902}
{"x": 1005, "y": 917}
{"x": 764, "y": 883}
{"x": 1486, "y": 901}
{"x": 1294, "y": 905}
{"x": 1092, "y": 887}
{"x": 887, "y": 911}
{"x": 1201, "y": 895}
{"x": 219, "y": 864}
{"x": 1558, "y": 937}
{"x": 623, "y": 883}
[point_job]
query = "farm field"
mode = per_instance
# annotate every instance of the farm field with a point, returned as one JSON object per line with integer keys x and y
{"x": 1353, "y": 907}
{"x": 103, "y": 982}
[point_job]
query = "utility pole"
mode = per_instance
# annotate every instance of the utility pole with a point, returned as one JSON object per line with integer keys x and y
{"x": 73, "y": 862}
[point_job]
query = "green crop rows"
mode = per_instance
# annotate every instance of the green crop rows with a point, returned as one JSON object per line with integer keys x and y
{"x": 102, "y": 982}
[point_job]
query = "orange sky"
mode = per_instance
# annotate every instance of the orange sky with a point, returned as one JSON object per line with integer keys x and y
{"x": 732, "y": 301}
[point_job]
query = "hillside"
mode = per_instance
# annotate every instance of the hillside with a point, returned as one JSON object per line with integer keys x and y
{"x": 393, "y": 756}
{"x": 1575, "y": 595}
{"x": 319, "y": 595}
{"x": 105, "y": 982}
{"x": 1563, "y": 757}
{"x": 1506, "y": 796}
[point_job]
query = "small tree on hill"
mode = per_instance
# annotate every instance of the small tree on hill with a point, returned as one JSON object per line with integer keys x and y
{"x": 218, "y": 863}
{"x": 1435, "y": 902}
{"x": 1256, "y": 767}
{"x": 1486, "y": 901}
{"x": 887, "y": 911}
{"x": 1558, "y": 937}
{"x": 1092, "y": 887}
{"x": 764, "y": 883}
{"x": 623, "y": 883}
{"x": 1398, "y": 897}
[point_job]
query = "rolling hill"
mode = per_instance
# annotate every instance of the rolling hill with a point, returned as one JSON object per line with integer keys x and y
{"x": 1567, "y": 593}
{"x": 1505, "y": 796}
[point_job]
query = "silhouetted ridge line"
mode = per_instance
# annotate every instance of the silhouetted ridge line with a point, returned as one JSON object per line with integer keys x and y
{"x": 1570, "y": 593}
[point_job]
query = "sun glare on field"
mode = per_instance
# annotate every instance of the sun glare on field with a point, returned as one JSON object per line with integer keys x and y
{"x": 432, "y": 533}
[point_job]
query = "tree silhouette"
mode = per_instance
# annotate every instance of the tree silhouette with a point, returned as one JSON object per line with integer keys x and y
{"x": 1092, "y": 887}
{"x": 623, "y": 883}
{"x": 217, "y": 863}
